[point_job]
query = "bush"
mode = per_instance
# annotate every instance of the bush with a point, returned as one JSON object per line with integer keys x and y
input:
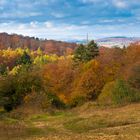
{"x": 13, "y": 88}
{"x": 77, "y": 101}
{"x": 122, "y": 93}
{"x": 118, "y": 92}
{"x": 54, "y": 101}
{"x": 134, "y": 79}
{"x": 7, "y": 91}
{"x": 106, "y": 95}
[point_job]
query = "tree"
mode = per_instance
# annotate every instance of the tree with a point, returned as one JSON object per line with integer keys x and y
{"x": 134, "y": 78}
{"x": 80, "y": 54}
{"x": 92, "y": 50}
{"x": 112, "y": 62}
{"x": 39, "y": 51}
{"x": 13, "y": 88}
{"x": 118, "y": 92}
{"x": 86, "y": 53}
{"x": 58, "y": 78}
{"x": 2, "y": 69}
{"x": 89, "y": 82}
{"x": 24, "y": 59}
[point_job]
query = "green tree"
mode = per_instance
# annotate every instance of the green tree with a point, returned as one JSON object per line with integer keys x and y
{"x": 86, "y": 53}
{"x": 24, "y": 59}
{"x": 13, "y": 88}
{"x": 80, "y": 54}
{"x": 92, "y": 50}
{"x": 2, "y": 69}
{"x": 118, "y": 92}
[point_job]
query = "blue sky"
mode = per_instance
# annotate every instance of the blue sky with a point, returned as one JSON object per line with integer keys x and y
{"x": 70, "y": 19}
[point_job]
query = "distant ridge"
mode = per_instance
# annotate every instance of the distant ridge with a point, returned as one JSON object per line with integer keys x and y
{"x": 118, "y": 38}
{"x": 117, "y": 41}
{"x": 14, "y": 41}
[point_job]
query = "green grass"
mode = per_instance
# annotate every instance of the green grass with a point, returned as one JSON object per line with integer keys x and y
{"x": 82, "y": 123}
{"x": 47, "y": 117}
{"x": 34, "y": 131}
{"x": 38, "y": 117}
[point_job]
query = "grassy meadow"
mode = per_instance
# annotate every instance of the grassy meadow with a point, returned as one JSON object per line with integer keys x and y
{"x": 88, "y": 122}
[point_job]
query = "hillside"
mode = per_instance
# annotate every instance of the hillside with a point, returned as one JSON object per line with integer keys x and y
{"x": 117, "y": 41}
{"x": 88, "y": 122}
{"x": 93, "y": 94}
{"x": 48, "y": 46}
{"x": 69, "y": 69}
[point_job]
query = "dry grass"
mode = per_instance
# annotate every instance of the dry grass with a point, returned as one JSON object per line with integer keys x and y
{"x": 89, "y": 122}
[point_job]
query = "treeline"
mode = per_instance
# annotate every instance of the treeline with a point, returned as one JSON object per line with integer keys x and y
{"x": 15, "y": 41}
{"x": 106, "y": 75}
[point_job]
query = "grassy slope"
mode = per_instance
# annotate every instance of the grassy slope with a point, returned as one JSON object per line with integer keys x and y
{"x": 88, "y": 122}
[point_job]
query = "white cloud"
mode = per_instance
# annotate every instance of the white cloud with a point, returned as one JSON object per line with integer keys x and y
{"x": 116, "y": 3}
{"x": 90, "y": 1}
{"x": 20, "y": 8}
{"x": 19, "y": 14}
{"x": 33, "y": 24}
{"x": 48, "y": 24}
{"x": 120, "y": 3}
{"x": 57, "y": 15}
{"x": 85, "y": 22}
{"x": 51, "y": 30}
{"x": 2, "y": 2}
{"x": 44, "y": 30}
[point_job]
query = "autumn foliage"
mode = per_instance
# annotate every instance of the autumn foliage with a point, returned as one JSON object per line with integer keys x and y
{"x": 91, "y": 73}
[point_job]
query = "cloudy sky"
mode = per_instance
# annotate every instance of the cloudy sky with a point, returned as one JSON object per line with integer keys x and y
{"x": 70, "y": 19}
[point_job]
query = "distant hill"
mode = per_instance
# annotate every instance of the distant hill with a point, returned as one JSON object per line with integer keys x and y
{"x": 47, "y": 46}
{"x": 118, "y": 41}
{"x": 58, "y": 47}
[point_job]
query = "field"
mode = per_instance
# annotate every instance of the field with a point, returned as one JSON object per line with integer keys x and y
{"x": 88, "y": 122}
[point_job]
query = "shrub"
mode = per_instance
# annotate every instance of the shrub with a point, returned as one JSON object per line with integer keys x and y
{"x": 134, "y": 78}
{"x": 118, "y": 92}
{"x": 7, "y": 91}
{"x": 106, "y": 95}
{"x": 55, "y": 101}
{"x": 122, "y": 93}
{"x": 77, "y": 101}
{"x": 13, "y": 88}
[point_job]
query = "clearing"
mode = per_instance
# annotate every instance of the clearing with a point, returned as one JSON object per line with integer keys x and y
{"x": 88, "y": 122}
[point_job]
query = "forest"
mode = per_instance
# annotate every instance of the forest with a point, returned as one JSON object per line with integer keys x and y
{"x": 90, "y": 73}
{"x": 33, "y": 80}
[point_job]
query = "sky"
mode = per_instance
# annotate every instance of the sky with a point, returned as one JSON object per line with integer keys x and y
{"x": 70, "y": 19}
